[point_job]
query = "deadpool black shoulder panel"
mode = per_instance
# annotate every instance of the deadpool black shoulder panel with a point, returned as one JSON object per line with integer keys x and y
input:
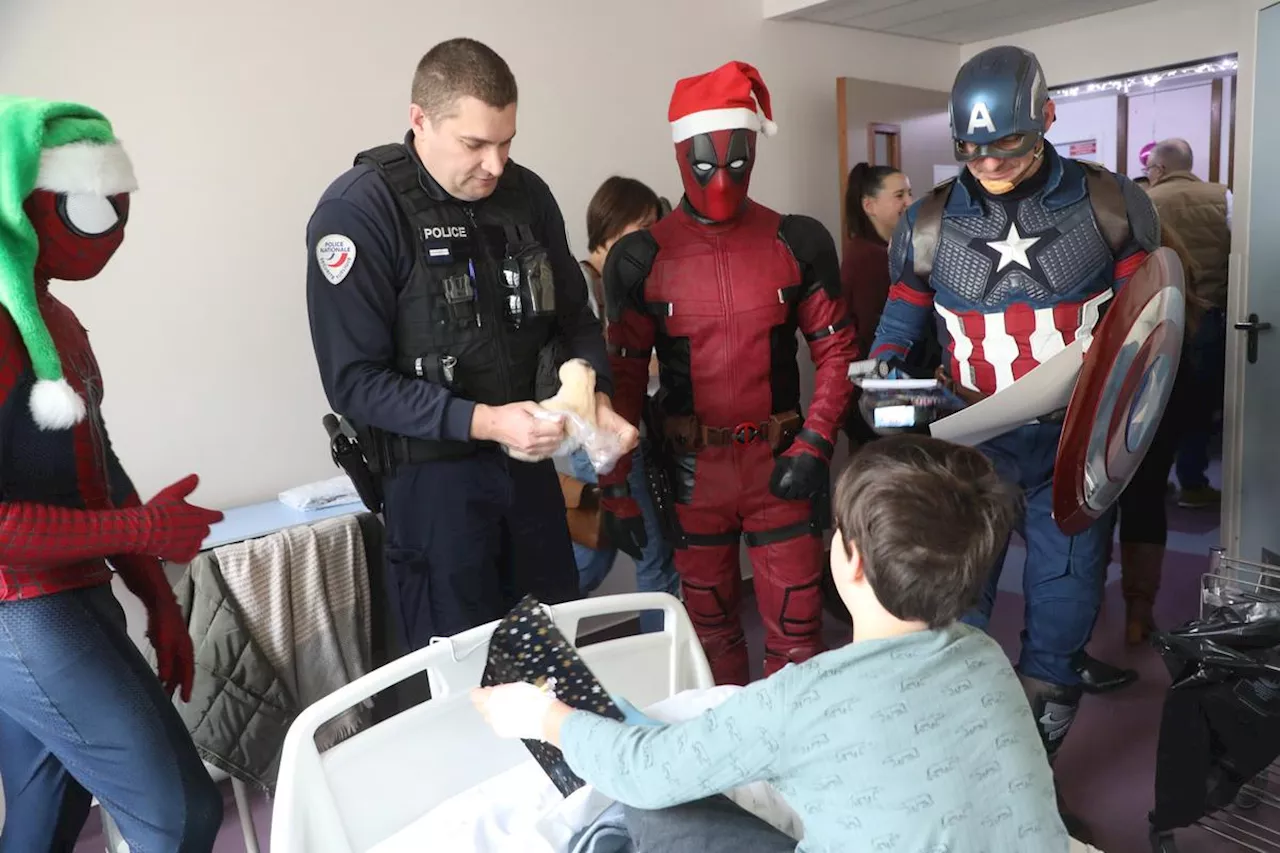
{"x": 811, "y": 244}
{"x": 625, "y": 271}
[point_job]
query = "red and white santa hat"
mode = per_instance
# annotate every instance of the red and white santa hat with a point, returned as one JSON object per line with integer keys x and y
{"x": 721, "y": 100}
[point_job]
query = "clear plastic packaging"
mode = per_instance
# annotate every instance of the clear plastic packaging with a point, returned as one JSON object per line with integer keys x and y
{"x": 602, "y": 447}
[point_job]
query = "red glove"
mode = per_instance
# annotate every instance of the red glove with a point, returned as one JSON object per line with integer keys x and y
{"x": 175, "y": 529}
{"x": 166, "y": 629}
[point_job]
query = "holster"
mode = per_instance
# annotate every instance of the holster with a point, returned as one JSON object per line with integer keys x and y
{"x": 583, "y": 513}
{"x": 657, "y": 469}
{"x": 348, "y": 455}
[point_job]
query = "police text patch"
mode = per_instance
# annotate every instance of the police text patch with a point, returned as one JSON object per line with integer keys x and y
{"x": 335, "y": 253}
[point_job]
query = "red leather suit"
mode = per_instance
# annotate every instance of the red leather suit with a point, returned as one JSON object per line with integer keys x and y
{"x": 721, "y": 302}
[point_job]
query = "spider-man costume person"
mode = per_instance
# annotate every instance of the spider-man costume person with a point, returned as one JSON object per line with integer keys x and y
{"x": 81, "y": 712}
{"x": 720, "y": 287}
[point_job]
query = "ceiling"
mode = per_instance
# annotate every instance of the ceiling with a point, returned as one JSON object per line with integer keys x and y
{"x": 950, "y": 21}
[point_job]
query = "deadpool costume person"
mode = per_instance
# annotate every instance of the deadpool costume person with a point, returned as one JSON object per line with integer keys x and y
{"x": 719, "y": 287}
{"x": 81, "y": 712}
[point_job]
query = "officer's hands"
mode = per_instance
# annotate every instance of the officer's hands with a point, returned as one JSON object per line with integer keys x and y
{"x": 624, "y": 525}
{"x": 799, "y": 476}
{"x": 608, "y": 420}
{"x": 523, "y": 427}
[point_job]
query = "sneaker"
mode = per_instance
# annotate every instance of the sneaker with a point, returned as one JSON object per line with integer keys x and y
{"x": 1199, "y": 498}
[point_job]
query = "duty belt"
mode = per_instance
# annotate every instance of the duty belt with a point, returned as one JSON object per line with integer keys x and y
{"x": 689, "y": 435}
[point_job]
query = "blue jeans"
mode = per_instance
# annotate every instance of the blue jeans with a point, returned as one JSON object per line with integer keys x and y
{"x": 656, "y": 568}
{"x": 1208, "y": 355}
{"x": 81, "y": 715}
{"x": 1063, "y": 577}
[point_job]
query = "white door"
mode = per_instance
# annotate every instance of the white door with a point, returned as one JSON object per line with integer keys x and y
{"x": 1256, "y": 318}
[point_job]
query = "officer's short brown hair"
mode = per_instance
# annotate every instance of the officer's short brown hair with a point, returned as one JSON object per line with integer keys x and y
{"x": 617, "y": 203}
{"x": 459, "y": 68}
{"x": 929, "y": 519}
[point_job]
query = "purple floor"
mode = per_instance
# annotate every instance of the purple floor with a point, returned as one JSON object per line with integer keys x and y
{"x": 1106, "y": 767}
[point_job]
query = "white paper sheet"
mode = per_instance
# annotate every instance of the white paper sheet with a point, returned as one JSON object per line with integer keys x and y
{"x": 1046, "y": 389}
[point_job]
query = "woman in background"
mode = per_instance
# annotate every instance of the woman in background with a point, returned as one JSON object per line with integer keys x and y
{"x": 620, "y": 206}
{"x": 1141, "y": 512}
{"x": 876, "y": 198}
{"x": 1143, "y": 515}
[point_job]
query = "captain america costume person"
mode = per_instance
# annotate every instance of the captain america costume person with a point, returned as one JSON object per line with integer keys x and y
{"x": 720, "y": 288}
{"x": 1023, "y": 252}
{"x": 82, "y": 714}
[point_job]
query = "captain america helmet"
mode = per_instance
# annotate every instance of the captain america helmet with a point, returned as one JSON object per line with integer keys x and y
{"x": 998, "y": 104}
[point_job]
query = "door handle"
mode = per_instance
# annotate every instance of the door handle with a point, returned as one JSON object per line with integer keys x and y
{"x": 1252, "y": 326}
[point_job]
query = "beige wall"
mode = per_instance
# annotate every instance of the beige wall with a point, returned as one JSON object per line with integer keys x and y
{"x": 920, "y": 112}
{"x": 239, "y": 113}
{"x": 1165, "y": 32}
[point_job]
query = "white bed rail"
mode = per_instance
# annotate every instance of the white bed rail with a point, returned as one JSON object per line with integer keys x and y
{"x": 367, "y": 788}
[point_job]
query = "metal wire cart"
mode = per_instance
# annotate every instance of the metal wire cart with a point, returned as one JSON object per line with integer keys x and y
{"x": 1216, "y": 762}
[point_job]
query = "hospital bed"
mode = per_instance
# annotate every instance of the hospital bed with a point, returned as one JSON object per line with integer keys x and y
{"x": 377, "y": 785}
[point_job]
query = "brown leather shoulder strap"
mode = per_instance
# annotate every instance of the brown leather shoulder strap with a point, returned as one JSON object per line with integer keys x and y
{"x": 928, "y": 229}
{"x": 1109, "y": 209}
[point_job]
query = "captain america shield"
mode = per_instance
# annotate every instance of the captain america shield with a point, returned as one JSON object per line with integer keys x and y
{"x": 1121, "y": 393}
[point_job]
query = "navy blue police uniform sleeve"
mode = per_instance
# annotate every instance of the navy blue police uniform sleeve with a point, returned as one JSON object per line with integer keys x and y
{"x": 577, "y": 324}
{"x": 909, "y": 306}
{"x": 352, "y": 330}
{"x": 1144, "y": 231}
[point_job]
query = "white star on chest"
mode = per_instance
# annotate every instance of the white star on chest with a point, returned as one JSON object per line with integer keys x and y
{"x": 1013, "y": 248}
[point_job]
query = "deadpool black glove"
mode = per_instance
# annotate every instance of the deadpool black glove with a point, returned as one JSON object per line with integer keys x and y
{"x": 799, "y": 476}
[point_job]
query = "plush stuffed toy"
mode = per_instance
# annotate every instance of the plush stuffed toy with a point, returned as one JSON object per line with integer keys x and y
{"x": 576, "y": 399}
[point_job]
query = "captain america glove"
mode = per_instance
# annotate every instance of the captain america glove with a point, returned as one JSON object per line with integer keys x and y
{"x": 631, "y": 715}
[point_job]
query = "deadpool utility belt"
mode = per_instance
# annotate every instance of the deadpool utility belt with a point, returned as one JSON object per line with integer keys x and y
{"x": 688, "y": 435}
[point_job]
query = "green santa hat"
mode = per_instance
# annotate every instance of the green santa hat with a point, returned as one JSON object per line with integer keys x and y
{"x": 62, "y": 148}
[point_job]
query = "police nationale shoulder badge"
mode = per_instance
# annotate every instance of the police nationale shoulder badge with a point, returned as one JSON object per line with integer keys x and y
{"x": 335, "y": 253}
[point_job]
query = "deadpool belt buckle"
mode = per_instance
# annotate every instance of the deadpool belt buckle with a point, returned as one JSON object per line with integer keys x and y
{"x": 746, "y": 433}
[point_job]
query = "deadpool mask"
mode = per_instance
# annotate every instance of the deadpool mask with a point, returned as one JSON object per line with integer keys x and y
{"x": 716, "y": 170}
{"x": 78, "y": 232}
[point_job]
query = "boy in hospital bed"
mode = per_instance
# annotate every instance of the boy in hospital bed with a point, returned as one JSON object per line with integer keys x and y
{"x": 915, "y": 737}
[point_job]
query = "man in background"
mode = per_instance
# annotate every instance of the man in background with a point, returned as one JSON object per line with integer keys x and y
{"x": 1200, "y": 212}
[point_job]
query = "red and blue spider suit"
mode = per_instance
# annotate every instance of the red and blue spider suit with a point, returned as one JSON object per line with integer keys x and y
{"x": 82, "y": 714}
{"x": 720, "y": 288}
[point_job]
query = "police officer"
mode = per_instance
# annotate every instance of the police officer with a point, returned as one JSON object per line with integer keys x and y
{"x": 437, "y": 272}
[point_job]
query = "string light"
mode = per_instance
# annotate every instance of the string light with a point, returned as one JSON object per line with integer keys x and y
{"x": 1149, "y": 80}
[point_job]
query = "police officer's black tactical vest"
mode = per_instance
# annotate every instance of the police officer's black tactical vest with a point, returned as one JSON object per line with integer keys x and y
{"x": 480, "y": 302}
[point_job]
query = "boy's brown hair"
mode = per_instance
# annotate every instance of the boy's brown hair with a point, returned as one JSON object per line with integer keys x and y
{"x": 616, "y": 204}
{"x": 929, "y": 519}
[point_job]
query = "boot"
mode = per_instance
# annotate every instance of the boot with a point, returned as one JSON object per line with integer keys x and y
{"x": 1099, "y": 676}
{"x": 1053, "y": 707}
{"x": 1140, "y": 567}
